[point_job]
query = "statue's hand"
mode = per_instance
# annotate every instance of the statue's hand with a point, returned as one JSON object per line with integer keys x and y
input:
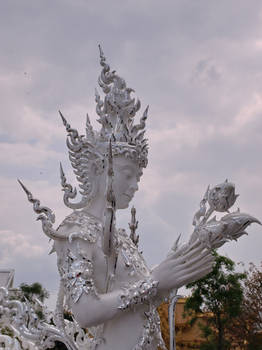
{"x": 183, "y": 267}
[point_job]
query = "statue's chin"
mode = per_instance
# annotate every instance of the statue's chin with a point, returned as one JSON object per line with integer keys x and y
{"x": 122, "y": 206}
{"x": 122, "y": 203}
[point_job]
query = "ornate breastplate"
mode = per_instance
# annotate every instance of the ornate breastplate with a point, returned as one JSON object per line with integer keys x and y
{"x": 133, "y": 259}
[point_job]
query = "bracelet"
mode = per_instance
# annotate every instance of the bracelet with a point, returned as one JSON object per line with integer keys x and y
{"x": 138, "y": 293}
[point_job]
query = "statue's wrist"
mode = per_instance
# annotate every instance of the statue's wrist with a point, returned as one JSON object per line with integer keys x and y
{"x": 138, "y": 293}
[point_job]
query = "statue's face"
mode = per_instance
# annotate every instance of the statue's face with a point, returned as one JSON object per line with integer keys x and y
{"x": 126, "y": 177}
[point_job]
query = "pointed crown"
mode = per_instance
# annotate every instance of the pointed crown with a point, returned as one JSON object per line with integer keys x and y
{"x": 116, "y": 114}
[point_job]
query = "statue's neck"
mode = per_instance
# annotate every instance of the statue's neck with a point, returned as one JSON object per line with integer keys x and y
{"x": 97, "y": 208}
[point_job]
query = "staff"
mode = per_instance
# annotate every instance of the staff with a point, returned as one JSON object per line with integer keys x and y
{"x": 109, "y": 223}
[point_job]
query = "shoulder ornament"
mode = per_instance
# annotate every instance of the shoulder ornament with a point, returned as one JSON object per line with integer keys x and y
{"x": 89, "y": 227}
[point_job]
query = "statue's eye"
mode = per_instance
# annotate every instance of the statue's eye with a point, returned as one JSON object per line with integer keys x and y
{"x": 128, "y": 174}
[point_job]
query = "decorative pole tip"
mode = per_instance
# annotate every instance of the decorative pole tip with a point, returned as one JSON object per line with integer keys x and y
{"x": 101, "y": 53}
{"x": 63, "y": 118}
{"x": 23, "y": 187}
{"x": 61, "y": 169}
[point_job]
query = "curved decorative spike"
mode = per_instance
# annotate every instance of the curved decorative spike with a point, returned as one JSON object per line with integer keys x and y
{"x": 142, "y": 123}
{"x": 36, "y": 204}
{"x": 140, "y": 136}
{"x": 99, "y": 105}
{"x": 73, "y": 147}
{"x": 72, "y": 133}
{"x": 138, "y": 105}
{"x": 45, "y": 215}
{"x": 66, "y": 187}
{"x": 71, "y": 193}
{"x": 105, "y": 77}
{"x": 89, "y": 129}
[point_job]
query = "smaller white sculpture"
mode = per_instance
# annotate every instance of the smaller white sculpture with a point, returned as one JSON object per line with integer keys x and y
{"x": 105, "y": 280}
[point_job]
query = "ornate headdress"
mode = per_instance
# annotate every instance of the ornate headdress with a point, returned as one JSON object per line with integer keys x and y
{"x": 116, "y": 115}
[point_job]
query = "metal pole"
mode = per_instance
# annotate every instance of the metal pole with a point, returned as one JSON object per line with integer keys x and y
{"x": 171, "y": 318}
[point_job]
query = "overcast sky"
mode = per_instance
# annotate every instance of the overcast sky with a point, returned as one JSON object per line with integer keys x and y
{"x": 197, "y": 63}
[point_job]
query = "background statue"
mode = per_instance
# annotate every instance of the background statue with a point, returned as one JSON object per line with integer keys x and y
{"x": 105, "y": 280}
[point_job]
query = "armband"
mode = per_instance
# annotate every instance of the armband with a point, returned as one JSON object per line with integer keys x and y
{"x": 77, "y": 275}
{"x": 138, "y": 293}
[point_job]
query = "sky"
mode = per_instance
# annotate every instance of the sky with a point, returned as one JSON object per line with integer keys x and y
{"x": 197, "y": 64}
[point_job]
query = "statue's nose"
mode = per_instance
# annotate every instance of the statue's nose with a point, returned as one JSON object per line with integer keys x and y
{"x": 134, "y": 186}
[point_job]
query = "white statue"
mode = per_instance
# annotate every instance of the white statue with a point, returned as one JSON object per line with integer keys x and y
{"x": 105, "y": 280}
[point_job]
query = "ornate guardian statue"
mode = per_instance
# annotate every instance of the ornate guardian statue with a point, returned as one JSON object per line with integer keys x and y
{"x": 105, "y": 281}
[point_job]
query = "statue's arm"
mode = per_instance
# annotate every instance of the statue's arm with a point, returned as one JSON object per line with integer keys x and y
{"x": 91, "y": 311}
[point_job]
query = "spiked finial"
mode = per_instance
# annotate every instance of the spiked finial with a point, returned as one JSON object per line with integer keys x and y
{"x": 63, "y": 118}
{"x": 133, "y": 226}
{"x": 28, "y": 193}
{"x": 101, "y": 53}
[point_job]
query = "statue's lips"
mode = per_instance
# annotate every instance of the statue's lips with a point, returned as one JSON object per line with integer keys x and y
{"x": 128, "y": 196}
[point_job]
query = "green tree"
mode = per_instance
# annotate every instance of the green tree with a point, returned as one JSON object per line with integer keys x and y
{"x": 29, "y": 292}
{"x": 220, "y": 293}
{"x": 34, "y": 289}
{"x": 246, "y": 328}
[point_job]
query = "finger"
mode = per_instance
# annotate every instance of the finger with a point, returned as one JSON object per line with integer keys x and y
{"x": 184, "y": 262}
{"x": 193, "y": 276}
{"x": 190, "y": 254}
{"x": 206, "y": 263}
{"x": 185, "y": 248}
{"x": 198, "y": 260}
{"x": 193, "y": 245}
{"x": 180, "y": 250}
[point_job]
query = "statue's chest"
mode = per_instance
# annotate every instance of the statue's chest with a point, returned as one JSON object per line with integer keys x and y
{"x": 127, "y": 264}
{"x": 130, "y": 261}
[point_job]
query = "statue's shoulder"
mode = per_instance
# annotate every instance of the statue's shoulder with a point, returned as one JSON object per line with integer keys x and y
{"x": 80, "y": 224}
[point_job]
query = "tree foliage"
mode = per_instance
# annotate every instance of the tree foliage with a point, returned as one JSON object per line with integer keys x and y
{"x": 220, "y": 294}
{"x": 34, "y": 289}
{"x": 246, "y": 329}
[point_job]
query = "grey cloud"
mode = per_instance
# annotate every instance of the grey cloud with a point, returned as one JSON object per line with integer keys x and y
{"x": 206, "y": 71}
